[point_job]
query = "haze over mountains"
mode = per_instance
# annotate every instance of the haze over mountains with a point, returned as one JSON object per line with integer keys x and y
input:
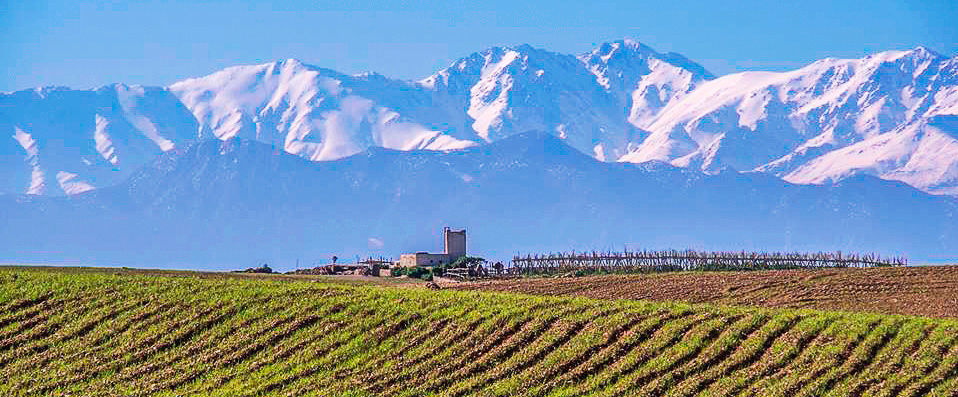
{"x": 218, "y": 204}
{"x": 324, "y": 151}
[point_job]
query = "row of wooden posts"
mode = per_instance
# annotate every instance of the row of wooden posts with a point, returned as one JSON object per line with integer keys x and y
{"x": 674, "y": 260}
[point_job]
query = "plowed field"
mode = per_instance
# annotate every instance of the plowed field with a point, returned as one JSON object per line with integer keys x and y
{"x": 103, "y": 334}
{"x": 923, "y": 291}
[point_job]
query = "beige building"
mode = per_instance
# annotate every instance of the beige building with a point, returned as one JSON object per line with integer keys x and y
{"x": 454, "y": 242}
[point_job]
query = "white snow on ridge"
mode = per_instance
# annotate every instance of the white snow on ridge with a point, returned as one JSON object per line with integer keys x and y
{"x": 923, "y": 156}
{"x": 104, "y": 145}
{"x": 831, "y": 119}
{"x": 100, "y": 135}
{"x": 598, "y": 99}
{"x": 71, "y": 185}
{"x": 323, "y": 115}
{"x": 128, "y": 97}
{"x": 312, "y": 112}
{"x": 29, "y": 145}
{"x": 642, "y": 79}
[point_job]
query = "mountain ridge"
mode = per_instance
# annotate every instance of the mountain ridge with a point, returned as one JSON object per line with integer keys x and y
{"x": 622, "y": 101}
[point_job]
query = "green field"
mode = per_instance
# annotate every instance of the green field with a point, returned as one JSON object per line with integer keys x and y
{"x": 105, "y": 333}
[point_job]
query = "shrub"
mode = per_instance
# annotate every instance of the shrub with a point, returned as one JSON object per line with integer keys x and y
{"x": 467, "y": 261}
{"x": 416, "y": 272}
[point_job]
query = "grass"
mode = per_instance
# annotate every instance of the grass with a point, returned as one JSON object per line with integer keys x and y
{"x": 97, "y": 332}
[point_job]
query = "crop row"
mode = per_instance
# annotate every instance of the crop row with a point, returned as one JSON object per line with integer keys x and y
{"x": 101, "y": 334}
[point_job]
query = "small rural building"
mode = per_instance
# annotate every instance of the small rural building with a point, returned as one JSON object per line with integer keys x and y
{"x": 454, "y": 242}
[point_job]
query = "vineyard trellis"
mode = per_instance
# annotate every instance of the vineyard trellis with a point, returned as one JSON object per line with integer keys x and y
{"x": 690, "y": 260}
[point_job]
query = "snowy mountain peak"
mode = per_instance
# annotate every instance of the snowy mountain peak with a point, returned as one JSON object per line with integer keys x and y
{"x": 597, "y": 102}
{"x": 631, "y": 52}
{"x": 918, "y": 53}
{"x": 622, "y": 48}
{"x": 642, "y": 79}
{"x": 313, "y": 112}
{"x": 293, "y": 62}
{"x": 928, "y": 51}
{"x": 508, "y": 90}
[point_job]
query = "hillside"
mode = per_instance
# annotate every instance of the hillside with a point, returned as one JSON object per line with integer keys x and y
{"x": 238, "y": 203}
{"x": 103, "y": 334}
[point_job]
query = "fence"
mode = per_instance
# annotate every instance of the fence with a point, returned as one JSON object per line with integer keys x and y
{"x": 673, "y": 260}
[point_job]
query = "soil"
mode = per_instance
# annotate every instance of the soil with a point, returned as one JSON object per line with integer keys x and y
{"x": 923, "y": 291}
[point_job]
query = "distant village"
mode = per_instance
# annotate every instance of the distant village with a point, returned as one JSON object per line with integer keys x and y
{"x": 453, "y": 263}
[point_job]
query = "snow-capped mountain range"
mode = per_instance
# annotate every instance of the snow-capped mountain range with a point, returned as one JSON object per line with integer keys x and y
{"x": 529, "y": 149}
{"x": 893, "y": 115}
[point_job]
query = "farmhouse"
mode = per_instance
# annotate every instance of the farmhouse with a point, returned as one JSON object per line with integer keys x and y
{"x": 454, "y": 242}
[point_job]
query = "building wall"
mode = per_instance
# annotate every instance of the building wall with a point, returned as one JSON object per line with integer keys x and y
{"x": 423, "y": 259}
{"x": 455, "y": 247}
{"x": 455, "y": 243}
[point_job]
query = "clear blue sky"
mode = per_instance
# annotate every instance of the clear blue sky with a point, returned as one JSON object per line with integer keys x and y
{"x": 85, "y": 44}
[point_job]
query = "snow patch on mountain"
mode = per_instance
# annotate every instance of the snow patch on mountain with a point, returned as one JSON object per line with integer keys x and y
{"x": 29, "y": 145}
{"x": 821, "y": 123}
{"x": 104, "y": 145}
{"x": 129, "y": 98}
{"x": 70, "y": 184}
{"x": 922, "y": 155}
{"x": 98, "y": 135}
{"x": 316, "y": 113}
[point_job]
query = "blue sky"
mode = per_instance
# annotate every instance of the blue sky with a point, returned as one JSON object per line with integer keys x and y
{"x": 85, "y": 44}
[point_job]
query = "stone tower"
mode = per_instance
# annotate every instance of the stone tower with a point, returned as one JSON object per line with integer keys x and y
{"x": 455, "y": 241}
